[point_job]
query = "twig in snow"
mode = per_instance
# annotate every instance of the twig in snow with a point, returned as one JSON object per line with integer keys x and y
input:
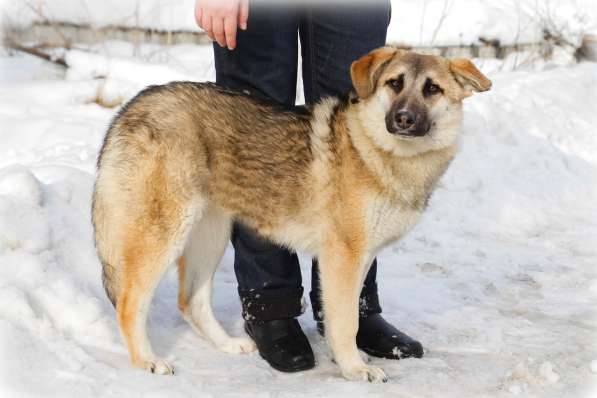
{"x": 35, "y": 51}
{"x": 445, "y": 11}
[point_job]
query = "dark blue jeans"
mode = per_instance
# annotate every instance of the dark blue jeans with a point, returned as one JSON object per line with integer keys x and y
{"x": 264, "y": 63}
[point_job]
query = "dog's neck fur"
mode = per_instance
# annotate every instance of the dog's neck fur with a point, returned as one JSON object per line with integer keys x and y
{"x": 409, "y": 179}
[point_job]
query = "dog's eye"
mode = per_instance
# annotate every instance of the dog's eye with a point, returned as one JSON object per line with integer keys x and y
{"x": 396, "y": 84}
{"x": 431, "y": 88}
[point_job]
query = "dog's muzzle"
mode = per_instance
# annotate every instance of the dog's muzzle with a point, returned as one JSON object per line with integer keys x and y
{"x": 407, "y": 123}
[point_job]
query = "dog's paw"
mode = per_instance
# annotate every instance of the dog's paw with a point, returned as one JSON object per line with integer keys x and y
{"x": 238, "y": 345}
{"x": 364, "y": 372}
{"x": 158, "y": 367}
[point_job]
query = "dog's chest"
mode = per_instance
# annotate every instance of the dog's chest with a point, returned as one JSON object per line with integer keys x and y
{"x": 387, "y": 221}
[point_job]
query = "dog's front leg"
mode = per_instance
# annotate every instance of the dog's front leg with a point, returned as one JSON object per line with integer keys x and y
{"x": 342, "y": 272}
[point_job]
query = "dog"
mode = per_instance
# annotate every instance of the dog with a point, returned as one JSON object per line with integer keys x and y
{"x": 341, "y": 180}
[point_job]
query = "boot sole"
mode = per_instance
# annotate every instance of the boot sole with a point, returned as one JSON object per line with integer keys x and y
{"x": 386, "y": 355}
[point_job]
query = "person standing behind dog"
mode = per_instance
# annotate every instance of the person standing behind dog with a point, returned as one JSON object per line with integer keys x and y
{"x": 256, "y": 51}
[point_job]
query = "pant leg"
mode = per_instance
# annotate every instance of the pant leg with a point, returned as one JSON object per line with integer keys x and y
{"x": 331, "y": 39}
{"x": 264, "y": 63}
{"x": 334, "y": 36}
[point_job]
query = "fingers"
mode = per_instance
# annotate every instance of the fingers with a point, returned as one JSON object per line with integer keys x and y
{"x": 218, "y": 31}
{"x": 206, "y": 25}
{"x": 198, "y": 14}
{"x": 243, "y": 14}
{"x": 220, "y": 19}
{"x": 230, "y": 32}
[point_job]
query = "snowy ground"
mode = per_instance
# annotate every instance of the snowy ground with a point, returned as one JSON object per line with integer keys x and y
{"x": 498, "y": 281}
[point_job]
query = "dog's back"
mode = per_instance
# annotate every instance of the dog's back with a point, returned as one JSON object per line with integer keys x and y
{"x": 183, "y": 142}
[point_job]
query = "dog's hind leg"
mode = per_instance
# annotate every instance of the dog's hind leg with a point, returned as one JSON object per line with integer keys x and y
{"x": 206, "y": 244}
{"x": 147, "y": 250}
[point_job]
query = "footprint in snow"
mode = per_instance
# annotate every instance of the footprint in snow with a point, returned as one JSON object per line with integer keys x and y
{"x": 434, "y": 270}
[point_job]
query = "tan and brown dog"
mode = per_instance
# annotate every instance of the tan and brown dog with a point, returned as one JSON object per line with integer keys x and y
{"x": 182, "y": 161}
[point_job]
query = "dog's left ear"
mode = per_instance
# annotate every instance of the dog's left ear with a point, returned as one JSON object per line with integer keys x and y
{"x": 366, "y": 70}
{"x": 469, "y": 77}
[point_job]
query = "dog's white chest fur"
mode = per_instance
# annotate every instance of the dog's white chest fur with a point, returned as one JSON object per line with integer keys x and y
{"x": 387, "y": 222}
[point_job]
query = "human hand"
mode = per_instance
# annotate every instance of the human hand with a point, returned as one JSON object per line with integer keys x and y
{"x": 220, "y": 18}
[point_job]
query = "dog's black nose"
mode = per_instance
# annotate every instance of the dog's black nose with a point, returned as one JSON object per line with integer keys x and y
{"x": 405, "y": 119}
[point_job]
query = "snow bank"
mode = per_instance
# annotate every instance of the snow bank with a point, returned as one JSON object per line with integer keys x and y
{"x": 498, "y": 281}
{"x": 414, "y": 22}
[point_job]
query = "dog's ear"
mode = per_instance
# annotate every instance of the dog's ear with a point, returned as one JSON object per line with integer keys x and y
{"x": 468, "y": 76}
{"x": 366, "y": 70}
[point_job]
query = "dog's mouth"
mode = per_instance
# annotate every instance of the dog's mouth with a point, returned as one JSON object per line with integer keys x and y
{"x": 411, "y": 133}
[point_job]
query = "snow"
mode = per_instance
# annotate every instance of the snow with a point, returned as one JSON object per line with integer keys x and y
{"x": 414, "y": 22}
{"x": 547, "y": 372}
{"x": 498, "y": 280}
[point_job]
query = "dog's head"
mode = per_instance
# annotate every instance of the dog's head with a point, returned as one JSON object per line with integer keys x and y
{"x": 412, "y": 103}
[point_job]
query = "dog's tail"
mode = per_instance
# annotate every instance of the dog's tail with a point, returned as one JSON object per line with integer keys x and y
{"x": 105, "y": 213}
{"x": 109, "y": 282}
{"x": 109, "y": 272}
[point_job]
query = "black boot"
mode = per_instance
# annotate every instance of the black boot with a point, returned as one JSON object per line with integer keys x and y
{"x": 376, "y": 336}
{"x": 282, "y": 344}
{"x": 379, "y": 338}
